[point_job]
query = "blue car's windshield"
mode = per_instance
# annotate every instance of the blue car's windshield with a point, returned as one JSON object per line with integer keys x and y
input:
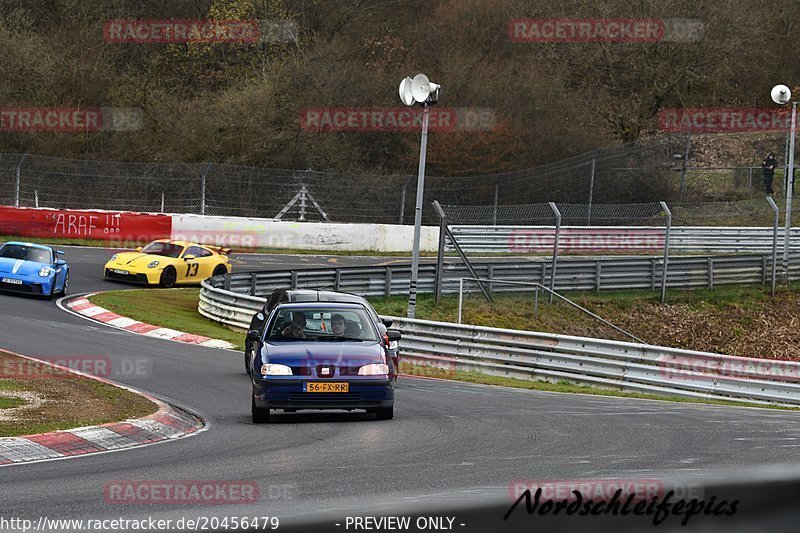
{"x": 26, "y": 253}
{"x": 164, "y": 249}
{"x": 320, "y": 324}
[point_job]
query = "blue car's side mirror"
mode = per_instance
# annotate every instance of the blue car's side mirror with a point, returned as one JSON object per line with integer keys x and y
{"x": 60, "y": 262}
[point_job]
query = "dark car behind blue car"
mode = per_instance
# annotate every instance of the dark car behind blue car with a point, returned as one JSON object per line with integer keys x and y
{"x": 321, "y": 356}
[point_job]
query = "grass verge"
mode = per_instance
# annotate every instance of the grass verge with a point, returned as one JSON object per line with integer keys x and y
{"x": 65, "y": 401}
{"x": 168, "y": 308}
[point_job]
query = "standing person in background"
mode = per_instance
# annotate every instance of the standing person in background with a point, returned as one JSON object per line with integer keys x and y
{"x": 768, "y": 165}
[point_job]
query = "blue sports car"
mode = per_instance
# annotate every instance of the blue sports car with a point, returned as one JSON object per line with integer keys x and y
{"x": 33, "y": 269}
{"x": 321, "y": 355}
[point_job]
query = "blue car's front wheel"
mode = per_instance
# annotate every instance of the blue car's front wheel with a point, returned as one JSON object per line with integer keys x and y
{"x": 260, "y": 415}
{"x": 65, "y": 287}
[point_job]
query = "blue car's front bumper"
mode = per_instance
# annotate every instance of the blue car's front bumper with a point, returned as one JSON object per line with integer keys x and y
{"x": 288, "y": 393}
{"x": 28, "y": 285}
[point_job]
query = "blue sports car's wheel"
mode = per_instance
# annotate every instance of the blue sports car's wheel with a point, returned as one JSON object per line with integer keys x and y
{"x": 66, "y": 286}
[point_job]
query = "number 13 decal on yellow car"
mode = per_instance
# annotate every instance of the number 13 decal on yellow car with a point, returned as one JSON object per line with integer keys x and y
{"x": 191, "y": 269}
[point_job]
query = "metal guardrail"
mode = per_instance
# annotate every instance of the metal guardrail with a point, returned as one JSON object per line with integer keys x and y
{"x": 606, "y": 363}
{"x": 531, "y": 355}
{"x": 644, "y": 239}
{"x": 602, "y": 273}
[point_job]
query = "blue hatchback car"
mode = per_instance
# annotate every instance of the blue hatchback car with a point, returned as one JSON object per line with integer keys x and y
{"x": 321, "y": 355}
{"x": 33, "y": 269}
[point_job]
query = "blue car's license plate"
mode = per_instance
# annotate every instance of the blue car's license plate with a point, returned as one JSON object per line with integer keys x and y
{"x": 315, "y": 386}
{"x": 12, "y": 281}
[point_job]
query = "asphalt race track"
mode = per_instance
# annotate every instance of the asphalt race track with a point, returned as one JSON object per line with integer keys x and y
{"x": 449, "y": 442}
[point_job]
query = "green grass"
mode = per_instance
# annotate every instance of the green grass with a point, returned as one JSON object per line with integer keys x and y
{"x": 169, "y": 308}
{"x": 516, "y": 311}
{"x": 8, "y": 403}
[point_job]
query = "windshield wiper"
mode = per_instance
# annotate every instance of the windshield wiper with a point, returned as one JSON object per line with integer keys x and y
{"x": 340, "y": 338}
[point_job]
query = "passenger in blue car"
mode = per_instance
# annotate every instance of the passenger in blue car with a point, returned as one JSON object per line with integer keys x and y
{"x": 341, "y": 327}
{"x": 297, "y": 327}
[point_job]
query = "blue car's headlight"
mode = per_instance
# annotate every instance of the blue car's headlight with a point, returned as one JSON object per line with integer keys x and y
{"x": 45, "y": 272}
{"x": 275, "y": 370}
{"x": 152, "y": 264}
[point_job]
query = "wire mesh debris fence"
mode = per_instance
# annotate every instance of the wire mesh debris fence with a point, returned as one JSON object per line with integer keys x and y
{"x": 634, "y": 174}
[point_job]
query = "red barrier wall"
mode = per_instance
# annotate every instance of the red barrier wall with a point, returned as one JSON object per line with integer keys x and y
{"x": 68, "y": 223}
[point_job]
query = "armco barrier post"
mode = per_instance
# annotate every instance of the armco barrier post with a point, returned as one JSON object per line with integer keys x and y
{"x": 666, "y": 251}
{"x": 18, "y": 176}
{"x": 557, "y": 214}
{"x": 775, "y": 219}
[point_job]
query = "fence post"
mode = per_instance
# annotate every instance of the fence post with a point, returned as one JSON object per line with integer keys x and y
{"x": 252, "y": 284}
{"x": 666, "y": 251}
{"x": 440, "y": 256}
{"x": 294, "y": 279}
{"x": 557, "y": 214}
{"x": 403, "y": 199}
{"x": 591, "y": 188}
{"x": 162, "y": 201}
{"x": 460, "y": 296}
{"x": 776, "y": 216}
{"x": 18, "y": 175}
{"x": 203, "y": 188}
{"x": 338, "y": 279}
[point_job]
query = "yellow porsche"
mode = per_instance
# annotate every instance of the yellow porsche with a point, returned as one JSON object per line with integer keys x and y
{"x": 168, "y": 263}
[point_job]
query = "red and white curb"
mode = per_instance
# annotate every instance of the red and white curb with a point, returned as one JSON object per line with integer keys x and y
{"x": 84, "y": 307}
{"x": 166, "y": 424}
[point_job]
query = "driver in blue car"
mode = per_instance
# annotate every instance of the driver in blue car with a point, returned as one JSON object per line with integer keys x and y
{"x": 297, "y": 327}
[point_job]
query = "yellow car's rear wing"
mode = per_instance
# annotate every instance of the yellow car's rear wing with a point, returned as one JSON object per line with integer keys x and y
{"x": 219, "y": 249}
